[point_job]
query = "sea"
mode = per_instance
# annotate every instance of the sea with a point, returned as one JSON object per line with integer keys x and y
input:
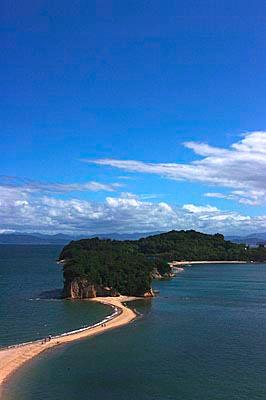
{"x": 202, "y": 338}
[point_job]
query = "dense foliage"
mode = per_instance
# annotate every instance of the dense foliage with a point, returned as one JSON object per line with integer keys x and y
{"x": 126, "y": 266}
{"x": 191, "y": 245}
{"x": 108, "y": 263}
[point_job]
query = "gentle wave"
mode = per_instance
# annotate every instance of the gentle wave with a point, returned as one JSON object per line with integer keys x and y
{"x": 88, "y": 327}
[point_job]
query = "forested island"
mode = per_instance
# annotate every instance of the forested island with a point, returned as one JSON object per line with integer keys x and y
{"x": 97, "y": 267}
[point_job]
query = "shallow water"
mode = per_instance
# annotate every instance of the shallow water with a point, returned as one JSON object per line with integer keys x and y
{"x": 25, "y": 273}
{"x": 203, "y": 338}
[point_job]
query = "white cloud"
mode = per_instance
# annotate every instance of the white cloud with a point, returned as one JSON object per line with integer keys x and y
{"x": 241, "y": 167}
{"x": 251, "y": 197}
{"x": 28, "y": 212}
{"x": 199, "y": 209}
{"x": 216, "y": 195}
{"x": 29, "y": 205}
{"x": 31, "y": 186}
{"x": 7, "y": 231}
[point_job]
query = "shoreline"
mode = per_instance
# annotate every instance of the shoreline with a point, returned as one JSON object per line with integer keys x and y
{"x": 174, "y": 263}
{"x": 13, "y": 357}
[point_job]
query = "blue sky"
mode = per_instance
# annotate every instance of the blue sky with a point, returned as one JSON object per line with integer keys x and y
{"x": 89, "y": 85}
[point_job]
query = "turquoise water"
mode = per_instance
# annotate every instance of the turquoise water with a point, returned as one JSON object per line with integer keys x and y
{"x": 26, "y": 313}
{"x": 203, "y": 338}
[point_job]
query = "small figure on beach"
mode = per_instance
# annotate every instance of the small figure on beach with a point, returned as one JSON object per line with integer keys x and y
{"x": 49, "y": 338}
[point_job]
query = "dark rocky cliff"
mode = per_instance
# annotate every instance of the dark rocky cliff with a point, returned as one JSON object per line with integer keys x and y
{"x": 81, "y": 288}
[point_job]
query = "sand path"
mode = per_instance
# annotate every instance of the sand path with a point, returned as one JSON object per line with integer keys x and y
{"x": 12, "y": 358}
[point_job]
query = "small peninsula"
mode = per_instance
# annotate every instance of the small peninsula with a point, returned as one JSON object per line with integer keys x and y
{"x": 99, "y": 267}
{"x": 114, "y": 272}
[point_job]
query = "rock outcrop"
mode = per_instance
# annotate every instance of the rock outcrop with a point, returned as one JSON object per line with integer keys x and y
{"x": 150, "y": 293}
{"x": 81, "y": 288}
{"x": 156, "y": 274}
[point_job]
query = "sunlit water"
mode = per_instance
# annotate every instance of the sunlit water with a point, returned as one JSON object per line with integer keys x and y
{"x": 203, "y": 338}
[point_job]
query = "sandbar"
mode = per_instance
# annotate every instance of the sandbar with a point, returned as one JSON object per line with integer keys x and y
{"x": 13, "y": 357}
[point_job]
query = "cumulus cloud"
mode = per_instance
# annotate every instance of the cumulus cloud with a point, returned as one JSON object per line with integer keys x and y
{"x": 241, "y": 168}
{"x": 22, "y": 211}
{"x": 27, "y": 205}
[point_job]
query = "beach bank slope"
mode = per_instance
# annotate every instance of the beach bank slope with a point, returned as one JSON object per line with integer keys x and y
{"x": 14, "y": 357}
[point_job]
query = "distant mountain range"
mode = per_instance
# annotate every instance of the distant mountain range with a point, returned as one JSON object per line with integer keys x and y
{"x": 60, "y": 238}
{"x": 253, "y": 239}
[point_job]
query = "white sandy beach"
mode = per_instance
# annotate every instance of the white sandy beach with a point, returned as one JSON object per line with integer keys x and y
{"x": 12, "y": 358}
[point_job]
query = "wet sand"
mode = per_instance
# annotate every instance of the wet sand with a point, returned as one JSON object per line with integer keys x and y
{"x": 14, "y": 357}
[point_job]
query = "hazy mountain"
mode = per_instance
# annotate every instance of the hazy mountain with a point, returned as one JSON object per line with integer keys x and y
{"x": 125, "y": 236}
{"x": 61, "y": 238}
{"x": 12, "y": 238}
{"x": 252, "y": 239}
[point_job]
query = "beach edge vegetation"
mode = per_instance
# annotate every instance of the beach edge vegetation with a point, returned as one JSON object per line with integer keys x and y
{"x": 104, "y": 267}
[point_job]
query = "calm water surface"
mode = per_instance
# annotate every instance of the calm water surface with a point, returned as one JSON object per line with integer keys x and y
{"x": 25, "y": 273}
{"x": 203, "y": 338}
